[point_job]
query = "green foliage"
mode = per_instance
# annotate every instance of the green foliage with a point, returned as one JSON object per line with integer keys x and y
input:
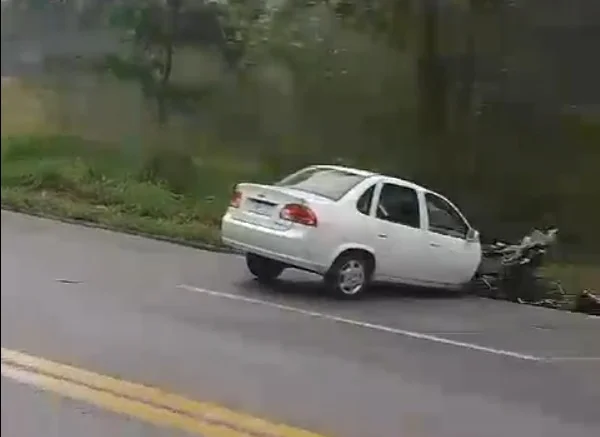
{"x": 389, "y": 20}
{"x": 151, "y": 26}
{"x": 126, "y": 69}
{"x": 125, "y": 15}
{"x": 172, "y": 167}
{"x": 154, "y": 30}
{"x": 170, "y": 185}
{"x": 28, "y": 147}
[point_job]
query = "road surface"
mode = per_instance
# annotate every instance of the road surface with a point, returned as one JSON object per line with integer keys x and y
{"x": 192, "y": 323}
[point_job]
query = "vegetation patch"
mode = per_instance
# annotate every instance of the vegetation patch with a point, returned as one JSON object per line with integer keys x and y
{"x": 169, "y": 194}
{"x": 22, "y": 108}
{"x": 574, "y": 278}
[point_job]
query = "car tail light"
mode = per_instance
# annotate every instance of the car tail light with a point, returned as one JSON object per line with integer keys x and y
{"x": 236, "y": 199}
{"x": 297, "y": 213}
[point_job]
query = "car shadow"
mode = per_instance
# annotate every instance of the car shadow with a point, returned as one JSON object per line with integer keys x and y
{"x": 313, "y": 290}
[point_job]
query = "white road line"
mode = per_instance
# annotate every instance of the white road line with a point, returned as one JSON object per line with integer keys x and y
{"x": 573, "y": 359}
{"x": 382, "y": 328}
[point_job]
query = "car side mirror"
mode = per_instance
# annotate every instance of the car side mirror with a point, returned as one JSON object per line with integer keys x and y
{"x": 472, "y": 235}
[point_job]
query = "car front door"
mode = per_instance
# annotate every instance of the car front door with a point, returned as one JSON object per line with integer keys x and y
{"x": 453, "y": 258}
{"x": 399, "y": 241}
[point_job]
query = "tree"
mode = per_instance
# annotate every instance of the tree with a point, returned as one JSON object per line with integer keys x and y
{"x": 150, "y": 27}
{"x": 154, "y": 30}
{"x": 416, "y": 26}
{"x": 402, "y": 26}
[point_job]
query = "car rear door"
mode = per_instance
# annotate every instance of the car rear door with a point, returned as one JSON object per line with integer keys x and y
{"x": 399, "y": 238}
{"x": 452, "y": 258}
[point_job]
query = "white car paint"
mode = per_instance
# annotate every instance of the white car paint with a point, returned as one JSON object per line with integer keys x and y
{"x": 414, "y": 255}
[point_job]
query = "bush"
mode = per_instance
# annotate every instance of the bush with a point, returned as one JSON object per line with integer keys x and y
{"x": 144, "y": 199}
{"x": 174, "y": 168}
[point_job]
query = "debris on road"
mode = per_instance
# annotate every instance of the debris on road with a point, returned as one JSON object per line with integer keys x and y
{"x": 68, "y": 281}
{"x": 511, "y": 272}
{"x": 588, "y": 302}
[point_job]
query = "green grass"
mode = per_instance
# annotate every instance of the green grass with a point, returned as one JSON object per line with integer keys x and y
{"x": 167, "y": 194}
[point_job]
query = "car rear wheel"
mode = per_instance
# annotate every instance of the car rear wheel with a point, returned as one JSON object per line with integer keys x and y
{"x": 349, "y": 276}
{"x": 264, "y": 269}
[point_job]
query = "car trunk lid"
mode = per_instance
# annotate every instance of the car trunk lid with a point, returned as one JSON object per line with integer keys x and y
{"x": 262, "y": 204}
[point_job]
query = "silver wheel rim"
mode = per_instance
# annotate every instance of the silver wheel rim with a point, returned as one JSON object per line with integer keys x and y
{"x": 351, "y": 277}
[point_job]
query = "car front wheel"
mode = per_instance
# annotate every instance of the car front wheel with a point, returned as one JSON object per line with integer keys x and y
{"x": 349, "y": 276}
{"x": 264, "y": 269}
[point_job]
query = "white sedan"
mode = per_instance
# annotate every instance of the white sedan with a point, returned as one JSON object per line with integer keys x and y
{"x": 352, "y": 227}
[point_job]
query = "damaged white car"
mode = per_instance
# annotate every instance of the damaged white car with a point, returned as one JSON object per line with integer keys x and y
{"x": 352, "y": 227}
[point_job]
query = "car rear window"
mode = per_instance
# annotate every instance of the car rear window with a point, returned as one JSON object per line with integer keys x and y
{"x": 327, "y": 182}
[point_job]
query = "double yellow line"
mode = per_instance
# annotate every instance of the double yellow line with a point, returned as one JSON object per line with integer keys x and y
{"x": 145, "y": 403}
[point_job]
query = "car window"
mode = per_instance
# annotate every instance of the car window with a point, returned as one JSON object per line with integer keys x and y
{"x": 364, "y": 201}
{"x": 443, "y": 217}
{"x": 399, "y": 204}
{"x": 327, "y": 182}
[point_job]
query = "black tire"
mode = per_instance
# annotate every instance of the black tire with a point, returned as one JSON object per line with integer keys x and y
{"x": 336, "y": 279}
{"x": 264, "y": 269}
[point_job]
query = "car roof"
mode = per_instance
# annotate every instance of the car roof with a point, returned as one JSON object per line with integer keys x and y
{"x": 370, "y": 174}
{"x": 355, "y": 171}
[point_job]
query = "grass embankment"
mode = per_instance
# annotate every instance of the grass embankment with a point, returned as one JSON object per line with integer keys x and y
{"x": 174, "y": 196}
{"x": 575, "y": 277}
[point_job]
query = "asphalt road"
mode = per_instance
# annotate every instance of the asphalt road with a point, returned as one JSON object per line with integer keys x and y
{"x": 400, "y": 363}
{"x": 26, "y": 412}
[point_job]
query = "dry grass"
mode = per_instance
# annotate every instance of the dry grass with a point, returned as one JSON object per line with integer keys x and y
{"x": 575, "y": 277}
{"x": 22, "y": 109}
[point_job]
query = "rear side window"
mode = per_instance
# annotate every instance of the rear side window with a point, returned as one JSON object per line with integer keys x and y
{"x": 364, "y": 201}
{"x": 399, "y": 204}
{"x": 330, "y": 183}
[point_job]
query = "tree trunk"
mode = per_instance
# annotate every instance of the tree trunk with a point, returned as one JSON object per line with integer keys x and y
{"x": 432, "y": 75}
{"x": 167, "y": 67}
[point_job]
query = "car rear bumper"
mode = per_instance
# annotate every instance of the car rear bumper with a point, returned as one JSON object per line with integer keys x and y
{"x": 288, "y": 246}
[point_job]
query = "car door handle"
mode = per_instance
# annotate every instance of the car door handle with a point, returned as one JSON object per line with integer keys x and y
{"x": 435, "y": 245}
{"x": 382, "y": 235}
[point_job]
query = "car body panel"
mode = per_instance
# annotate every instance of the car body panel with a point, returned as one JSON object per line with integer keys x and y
{"x": 452, "y": 260}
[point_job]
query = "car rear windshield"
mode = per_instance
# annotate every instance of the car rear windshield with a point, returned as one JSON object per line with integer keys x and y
{"x": 327, "y": 182}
